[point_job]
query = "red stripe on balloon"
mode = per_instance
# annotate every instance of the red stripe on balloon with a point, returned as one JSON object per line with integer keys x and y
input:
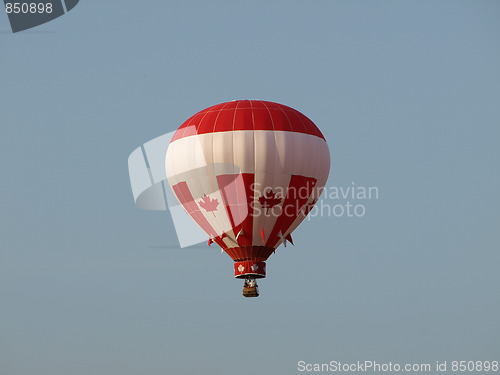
{"x": 237, "y": 196}
{"x": 298, "y": 193}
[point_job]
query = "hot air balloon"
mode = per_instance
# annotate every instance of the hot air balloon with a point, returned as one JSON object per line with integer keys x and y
{"x": 248, "y": 172}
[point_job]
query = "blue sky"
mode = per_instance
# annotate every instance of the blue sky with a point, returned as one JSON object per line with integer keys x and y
{"x": 407, "y": 94}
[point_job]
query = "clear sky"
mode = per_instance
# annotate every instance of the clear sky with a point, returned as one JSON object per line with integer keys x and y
{"x": 407, "y": 94}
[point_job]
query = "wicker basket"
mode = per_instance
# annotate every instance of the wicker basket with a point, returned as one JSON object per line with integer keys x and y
{"x": 250, "y": 291}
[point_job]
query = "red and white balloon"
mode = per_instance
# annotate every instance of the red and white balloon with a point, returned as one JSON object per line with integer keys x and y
{"x": 248, "y": 172}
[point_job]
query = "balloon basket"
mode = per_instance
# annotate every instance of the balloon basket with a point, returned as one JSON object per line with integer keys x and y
{"x": 249, "y": 291}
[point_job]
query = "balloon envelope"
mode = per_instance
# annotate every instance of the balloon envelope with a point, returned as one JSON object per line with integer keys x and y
{"x": 248, "y": 172}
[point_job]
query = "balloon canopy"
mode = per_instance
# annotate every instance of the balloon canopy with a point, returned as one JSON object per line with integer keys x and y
{"x": 248, "y": 172}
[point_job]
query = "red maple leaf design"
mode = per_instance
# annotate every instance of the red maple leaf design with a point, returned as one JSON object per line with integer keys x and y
{"x": 209, "y": 204}
{"x": 269, "y": 200}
